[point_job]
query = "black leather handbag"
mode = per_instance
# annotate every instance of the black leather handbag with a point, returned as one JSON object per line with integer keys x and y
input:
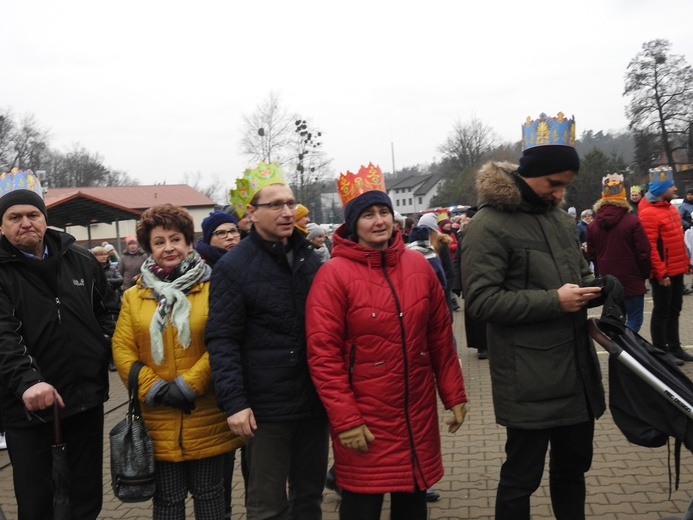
{"x": 132, "y": 452}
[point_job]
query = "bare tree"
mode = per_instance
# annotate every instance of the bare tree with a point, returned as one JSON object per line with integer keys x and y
{"x": 660, "y": 85}
{"x": 307, "y": 163}
{"x": 468, "y": 144}
{"x": 22, "y": 143}
{"x": 267, "y": 132}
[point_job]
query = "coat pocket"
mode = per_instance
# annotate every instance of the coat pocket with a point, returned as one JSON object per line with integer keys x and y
{"x": 545, "y": 365}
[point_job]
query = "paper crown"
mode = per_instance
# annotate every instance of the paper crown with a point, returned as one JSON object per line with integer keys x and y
{"x": 548, "y": 131}
{"x": 612, "y": 187}
{"x": 368, "y": 178}
{"x": 18, "y": 179}
{"x": 661, "y": 173}
{"x": 253, "y": 180}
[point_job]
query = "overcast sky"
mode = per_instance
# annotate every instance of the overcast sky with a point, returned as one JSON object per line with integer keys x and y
{"x": 158, "y": 89}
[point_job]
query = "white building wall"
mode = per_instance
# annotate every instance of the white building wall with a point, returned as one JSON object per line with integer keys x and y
{"x": 107, "y": 232}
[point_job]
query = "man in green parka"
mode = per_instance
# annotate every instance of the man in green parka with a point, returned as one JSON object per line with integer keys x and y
{"x": 524, "y": 274}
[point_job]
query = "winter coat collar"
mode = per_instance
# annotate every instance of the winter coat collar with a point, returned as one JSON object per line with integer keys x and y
{"x": 499, "y": 186}
{"x": 610, "y": 213}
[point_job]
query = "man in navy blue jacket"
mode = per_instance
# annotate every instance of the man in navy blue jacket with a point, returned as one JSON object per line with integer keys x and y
{"x": 255, "y": 335}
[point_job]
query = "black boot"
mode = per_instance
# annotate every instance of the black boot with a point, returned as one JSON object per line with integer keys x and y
{"x": 681, "y": 354}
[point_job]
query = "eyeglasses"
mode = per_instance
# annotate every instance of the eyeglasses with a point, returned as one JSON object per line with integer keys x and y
{"x": 223, "y": 233}
{"x": 277, "y": 205}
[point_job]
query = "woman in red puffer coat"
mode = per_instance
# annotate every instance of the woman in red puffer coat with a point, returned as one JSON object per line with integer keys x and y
{"x": 379, "y": 344}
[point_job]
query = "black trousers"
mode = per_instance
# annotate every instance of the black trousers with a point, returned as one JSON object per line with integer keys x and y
{"x": 362, "y": 506}
{"x": 570, "y": 458}
{"x": 30, "y": 454}
{"x": 664, "y": 324}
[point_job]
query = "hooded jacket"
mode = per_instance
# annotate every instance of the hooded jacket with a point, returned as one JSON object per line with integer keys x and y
{"x": 57, "y": 318}
{"x": 379, "y": 342}
{"x": 516, "y": 254}
{"x": 176, "y": 436}
{"x": 662, "y": 224}
{"x": 617, "y": 244}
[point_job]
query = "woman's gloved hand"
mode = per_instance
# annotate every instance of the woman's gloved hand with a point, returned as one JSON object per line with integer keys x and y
{"x": 357, "y": 438}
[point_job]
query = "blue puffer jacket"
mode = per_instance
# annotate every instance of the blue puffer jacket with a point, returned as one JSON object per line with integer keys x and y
{"x": 255, "y": 331}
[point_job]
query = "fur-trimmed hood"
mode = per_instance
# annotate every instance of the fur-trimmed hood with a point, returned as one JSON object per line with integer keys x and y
{"x": 620, "y": 203}
{"x": 496, "y": 187}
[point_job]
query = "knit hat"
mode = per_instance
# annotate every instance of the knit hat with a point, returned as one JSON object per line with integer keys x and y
{"x": 661, "y": 179}
{"x": 15, "y": 197}
{"x": 300, "y": 211}
{"x": 429, "y": 220}
{"x": 354, "y": 208}
{"x": 657, "y": 188}
{"x": 314, "y": 230}
{"x": 130, "y": 238}
{"x": 545, "y": 160}
{"x": 419, "y": 233}
{"x": 442, "y": 223}
{"x": 572, "y": 211}
{"x": 613, "y": 188}
{"x": 213, "y": 221}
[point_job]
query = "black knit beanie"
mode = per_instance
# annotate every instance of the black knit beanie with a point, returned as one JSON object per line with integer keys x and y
{"x": 545, "y": 160}
{"x": 354, "y": 208}
{"x": 15, "y": 197}
{"x": 213, "y": 221}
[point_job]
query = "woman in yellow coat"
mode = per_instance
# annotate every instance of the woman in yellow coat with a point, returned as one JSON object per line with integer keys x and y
{"x": 161, "y": 324}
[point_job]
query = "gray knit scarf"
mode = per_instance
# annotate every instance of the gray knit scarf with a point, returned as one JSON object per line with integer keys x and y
{"x": 170, "y": 288}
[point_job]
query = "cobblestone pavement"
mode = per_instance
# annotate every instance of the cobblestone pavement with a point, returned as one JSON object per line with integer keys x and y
{"x": 626, "y": 481}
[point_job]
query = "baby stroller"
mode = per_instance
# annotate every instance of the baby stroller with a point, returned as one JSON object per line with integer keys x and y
{"x": 650, "y": 398}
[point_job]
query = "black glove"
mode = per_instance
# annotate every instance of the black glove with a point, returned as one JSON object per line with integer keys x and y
{"x": 171, "y": 395}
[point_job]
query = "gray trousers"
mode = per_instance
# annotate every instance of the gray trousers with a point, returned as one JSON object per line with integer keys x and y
{"x": 293, "y": 451}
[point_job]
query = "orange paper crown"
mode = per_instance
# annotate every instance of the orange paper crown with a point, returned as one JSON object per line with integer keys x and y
{"x": 368, "y": 178}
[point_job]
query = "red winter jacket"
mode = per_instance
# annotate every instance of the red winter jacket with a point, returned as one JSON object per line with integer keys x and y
{"x": 379, "y": 342}
{"x": 663, "y": 228}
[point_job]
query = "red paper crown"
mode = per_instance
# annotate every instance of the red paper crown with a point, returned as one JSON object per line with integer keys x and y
{"x": 368, "y": 178}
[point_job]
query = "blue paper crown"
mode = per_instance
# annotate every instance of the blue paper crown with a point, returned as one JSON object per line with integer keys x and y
{"x": 661, "y": 173}
{"x": 18, "y": 179}
{"x": 548, "y": 131}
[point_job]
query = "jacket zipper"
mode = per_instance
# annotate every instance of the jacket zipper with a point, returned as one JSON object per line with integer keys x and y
{"x": 352, "y": 362}
{"x": 57, "y": 304}
{"x": 400, "y": 315}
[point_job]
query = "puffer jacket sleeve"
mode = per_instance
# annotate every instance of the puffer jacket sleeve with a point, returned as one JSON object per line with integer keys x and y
{"x": 125, "y": 349}
{"x": 328, "y": 354}
{"x": 487, "y": 298}
{"x": 651, "y": 224}
{"x": 223, "y": 335}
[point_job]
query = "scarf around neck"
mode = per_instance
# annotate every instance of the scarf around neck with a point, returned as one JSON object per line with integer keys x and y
{"x": 170, "y": 289}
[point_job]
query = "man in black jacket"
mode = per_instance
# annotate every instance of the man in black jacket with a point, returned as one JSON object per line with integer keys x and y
{"x": 55, "y": 323}
{"x": 256, "y": 339}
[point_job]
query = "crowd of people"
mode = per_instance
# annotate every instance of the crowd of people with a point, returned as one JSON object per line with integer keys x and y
{"x": 269, "y": 337}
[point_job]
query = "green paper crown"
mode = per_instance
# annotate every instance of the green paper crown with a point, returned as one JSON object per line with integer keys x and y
{"x": 253, "y": 180}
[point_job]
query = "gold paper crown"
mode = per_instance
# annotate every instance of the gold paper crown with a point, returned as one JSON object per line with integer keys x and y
{"x": 547, "y": 130}
{"x": 18, "y": 179}
{"x": 253, "y": 180}
{"x": 351, "y": 186}
{"x": 661, "y": 173}
{"x": 612, "y": 187}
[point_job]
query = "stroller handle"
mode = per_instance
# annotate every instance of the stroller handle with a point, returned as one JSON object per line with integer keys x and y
{"x": 605, "y": 341}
